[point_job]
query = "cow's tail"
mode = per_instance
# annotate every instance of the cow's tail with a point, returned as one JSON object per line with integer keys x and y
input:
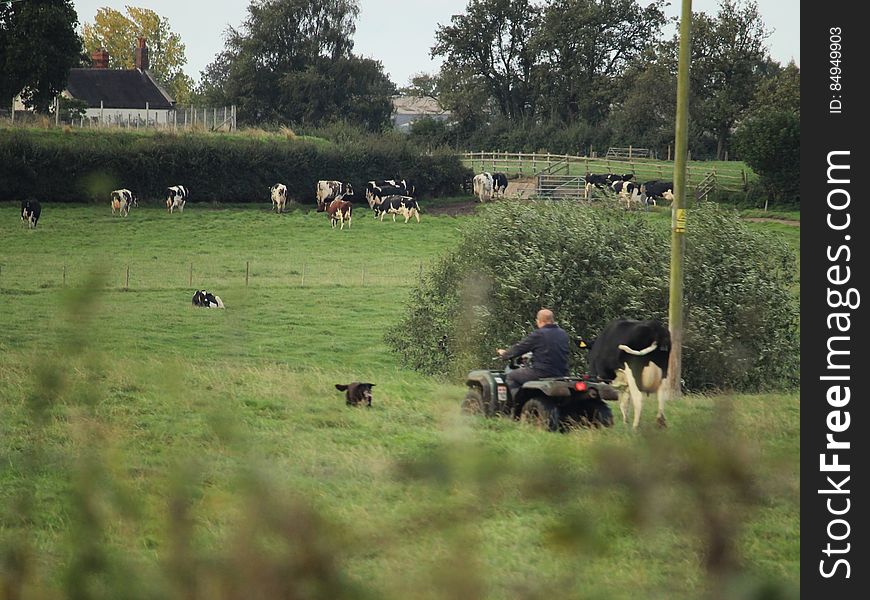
{"x": 634, "y": 352}
{"x": 340, "y": 387}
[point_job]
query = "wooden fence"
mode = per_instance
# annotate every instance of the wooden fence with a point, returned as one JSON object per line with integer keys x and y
{"x": 533, "y": 164}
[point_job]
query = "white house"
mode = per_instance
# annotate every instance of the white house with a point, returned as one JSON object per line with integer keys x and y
{"x": 407, "y": 109}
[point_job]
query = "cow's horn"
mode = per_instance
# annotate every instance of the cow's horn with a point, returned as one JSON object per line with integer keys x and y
{"x": 643, "y": 352}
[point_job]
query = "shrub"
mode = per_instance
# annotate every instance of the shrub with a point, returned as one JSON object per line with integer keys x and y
{"x": 594, "y": 265}
{"x": 87, "y": 165}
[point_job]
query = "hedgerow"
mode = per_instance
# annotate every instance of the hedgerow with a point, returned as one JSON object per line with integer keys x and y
{"x": 84, "y": 166}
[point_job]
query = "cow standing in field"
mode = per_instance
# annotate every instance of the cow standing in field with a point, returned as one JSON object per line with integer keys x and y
{"x": 340, "y": 210}
{"x": 599, "y": 181}
{"x": 499, "y": 183}
{"x": 327, "y": 191}
{"x": 633, "y": 356}
{"x": 30, "y": 211}
{"x": 279, "y": 197}
{"x": 122, "y": 201}
{"x": 483, "y": 186}
{"x": 651, "y": 190}
{"x": 176, "y": 196}
{"x": 628, "y": 191}
{"x": 377, "y": 190}
{"x": 397, "y": 205}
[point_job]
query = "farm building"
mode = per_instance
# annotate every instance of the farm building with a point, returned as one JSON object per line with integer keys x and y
{"x": 407, "y": 109}
{"x": 120, "y": 95}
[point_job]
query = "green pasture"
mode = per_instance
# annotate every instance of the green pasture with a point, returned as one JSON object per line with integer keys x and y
{"x": 149, "y": 449}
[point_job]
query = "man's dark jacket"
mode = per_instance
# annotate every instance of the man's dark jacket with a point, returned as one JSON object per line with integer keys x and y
{"x": 549, "y": 344}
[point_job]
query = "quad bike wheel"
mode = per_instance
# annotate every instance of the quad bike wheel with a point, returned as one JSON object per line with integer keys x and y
{"x": 473, "y": 403}
{"x": 542, "y": 413}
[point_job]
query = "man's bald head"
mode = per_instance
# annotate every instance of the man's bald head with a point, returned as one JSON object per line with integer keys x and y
{"x": 545, "y": 317}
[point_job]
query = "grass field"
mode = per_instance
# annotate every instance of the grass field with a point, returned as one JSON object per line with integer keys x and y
{"x": 149, "y": 449}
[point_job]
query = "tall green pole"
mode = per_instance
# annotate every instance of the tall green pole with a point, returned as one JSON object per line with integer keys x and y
{"x": 678, "y": 209}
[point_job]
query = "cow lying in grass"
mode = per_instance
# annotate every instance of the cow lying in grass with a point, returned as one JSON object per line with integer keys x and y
{"x": 205, "y": 299}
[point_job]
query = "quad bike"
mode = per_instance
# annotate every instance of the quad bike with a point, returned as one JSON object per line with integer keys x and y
{"x": 552, "y": 403}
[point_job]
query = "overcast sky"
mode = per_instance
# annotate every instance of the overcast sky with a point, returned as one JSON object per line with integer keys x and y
{"x": 399, "y": 33}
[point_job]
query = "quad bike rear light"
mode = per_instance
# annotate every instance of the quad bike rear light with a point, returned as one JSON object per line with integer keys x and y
{"x": 580, "y": 386}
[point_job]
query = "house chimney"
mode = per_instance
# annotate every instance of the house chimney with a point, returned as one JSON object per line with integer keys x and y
{"x": 100, "y": 59}
{"x": 141, "y": 55}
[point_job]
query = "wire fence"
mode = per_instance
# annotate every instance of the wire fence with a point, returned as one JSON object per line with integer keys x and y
{"x": 157, "y": 275}
{"x": 204, "y": 118}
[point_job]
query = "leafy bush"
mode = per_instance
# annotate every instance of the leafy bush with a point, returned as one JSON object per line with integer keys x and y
{"x": 594, "y": 265}
{"x": 86, "y": 165}
{"x": 769, "y": 142}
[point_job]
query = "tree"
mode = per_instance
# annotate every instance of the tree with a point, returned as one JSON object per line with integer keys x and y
{"x": 729, "y": 60}
{"x": 292, "y": 61}
{"x": 38, "y": 47}
{"x": 585, "y": 47}
{"x": 769, "y": 138}
{"x": 117, "y": 33}
{"x": 490, "y": 49}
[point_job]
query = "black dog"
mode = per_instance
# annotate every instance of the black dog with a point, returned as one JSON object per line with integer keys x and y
{"x": 357, "y": 393}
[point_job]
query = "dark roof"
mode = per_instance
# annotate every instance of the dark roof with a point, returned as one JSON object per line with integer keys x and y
{"x": 116, "y": 88}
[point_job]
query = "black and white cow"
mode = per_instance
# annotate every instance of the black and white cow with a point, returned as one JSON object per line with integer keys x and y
{"x": 499, "y": 183}
{"x": 628, "y": 191}
{"x": 326, "y": 191}
{"x": 30, "y": 211}
{"x": 410, "y": 186}
{"x": 122, "y": 201}
{"x": 376, "y": 192}
{"x": 279, "y": 197}
{"x": 633, "y": 356}
{"x": 398, "y": 205}
{"x": 614, "y": 177}
{"x": 205, "y": 299}
{"x": 483, "y": 186}
{"x": 599, "y": 181}
{"x": 651, "y": 190}
{"x": 176, "y": 196}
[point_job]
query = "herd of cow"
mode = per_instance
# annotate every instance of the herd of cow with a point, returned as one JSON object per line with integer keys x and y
{"x": 387, "y": 196}
{"x": 384, "y": 197}
{"x": 486, "y": 186}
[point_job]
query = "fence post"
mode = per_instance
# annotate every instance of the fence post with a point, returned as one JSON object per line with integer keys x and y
{"x": 247, "y": 271}
{"x": 56, "y": 111}
{"x": 364, "y": 277}
{"x": 421, "y": 272}
{"x": 190, "y": 276}
{"x": 214, "y": 119}
{"x": 629, "y": 152}
{"x": 303, "y": 274}
{"x": 64, "y": 276}
{"x": 127, "y": 279}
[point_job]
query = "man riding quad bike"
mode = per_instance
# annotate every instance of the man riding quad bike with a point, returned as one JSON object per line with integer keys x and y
{"x": 543, "y": 392}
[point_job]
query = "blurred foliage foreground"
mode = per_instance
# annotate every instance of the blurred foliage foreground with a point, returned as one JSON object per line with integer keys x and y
{"x": 700, "y": 484}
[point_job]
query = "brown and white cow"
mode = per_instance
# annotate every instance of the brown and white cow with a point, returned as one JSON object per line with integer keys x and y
{"x": 339, "y": 210}
{"x": 122, "y": 201}
{"x": 279, "y": 197}
{"x": 330, "y": 190}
